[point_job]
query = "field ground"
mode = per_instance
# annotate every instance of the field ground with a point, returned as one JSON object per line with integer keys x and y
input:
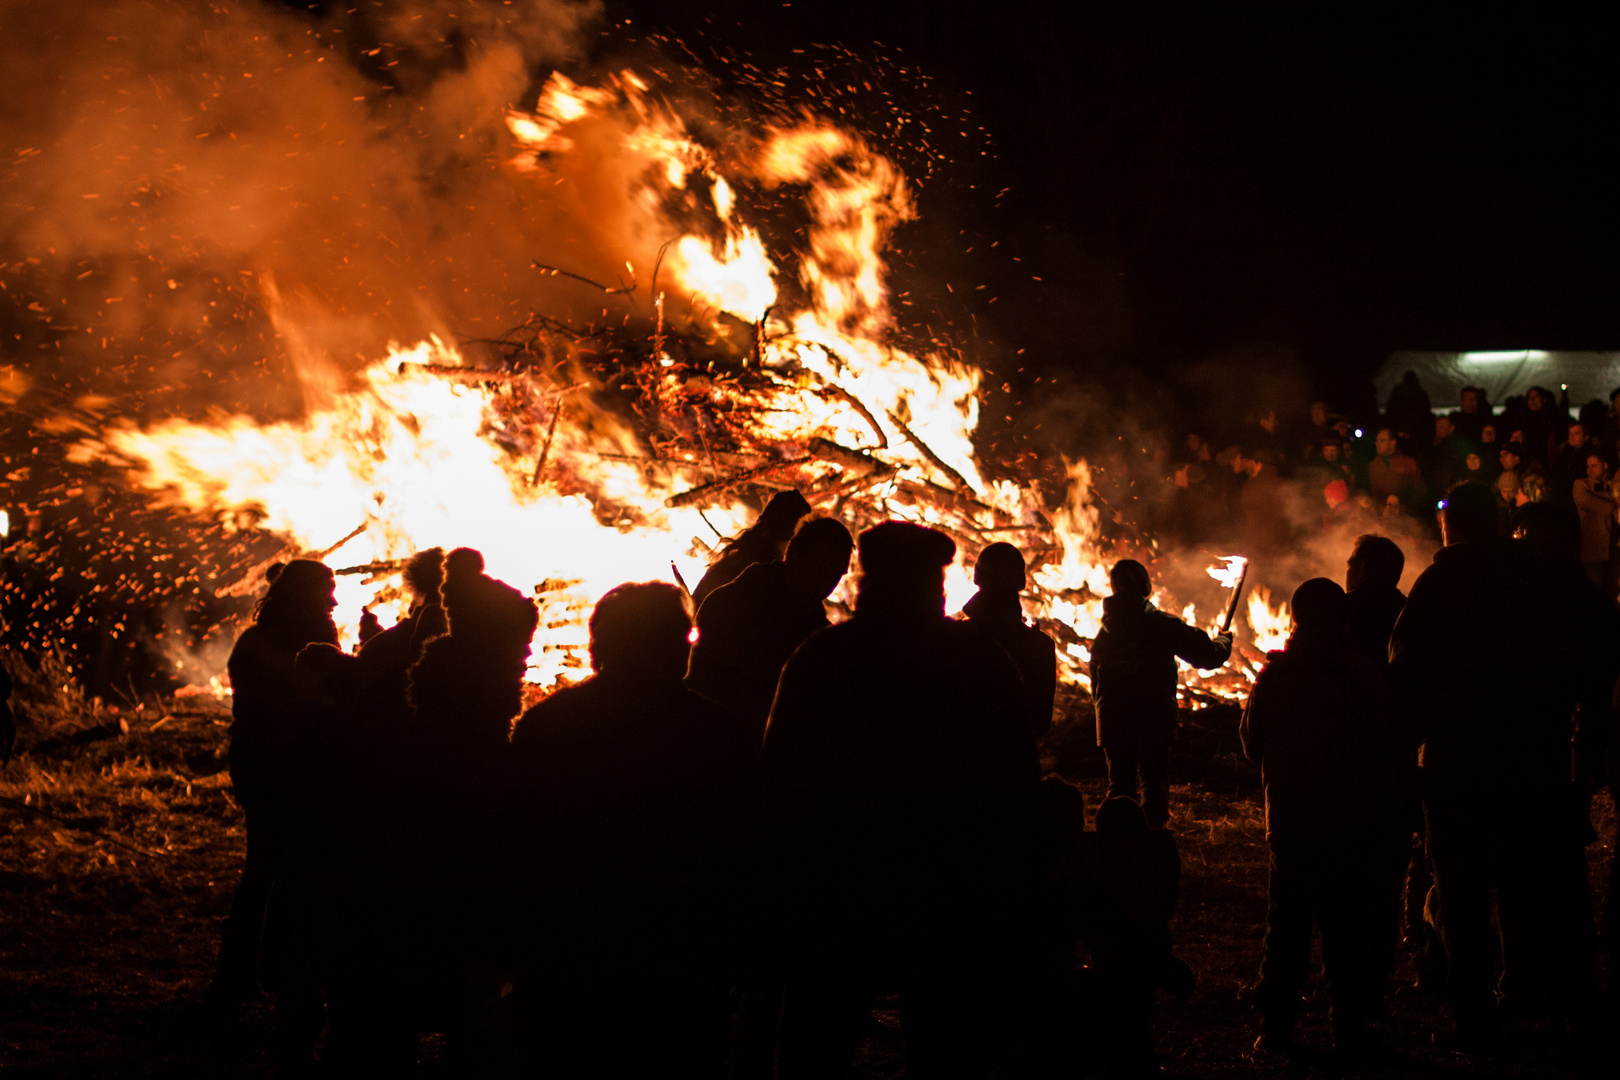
{"x": 105, "y": 951}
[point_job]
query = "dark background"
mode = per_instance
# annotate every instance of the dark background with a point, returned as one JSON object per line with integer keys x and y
{"x": 1302, "y": 186}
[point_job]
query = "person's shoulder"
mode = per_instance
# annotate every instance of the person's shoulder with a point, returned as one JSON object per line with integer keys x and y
{"x": 1035, "y": 638}
{"x": 556, "y": 709}
{"x": 699, "y": 709}
{"x": 250, "y": 644}
{"x": 834, "y": 638}
{"x": 1278, "y": 663}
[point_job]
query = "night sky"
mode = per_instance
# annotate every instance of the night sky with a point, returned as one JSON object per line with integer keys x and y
{"x": 1314, "y": 184}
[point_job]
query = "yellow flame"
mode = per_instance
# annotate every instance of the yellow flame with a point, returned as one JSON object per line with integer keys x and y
{"x": 1228, "y": 570}
{"x": 408, "y": 457}
{"x": 1270, "y": 624}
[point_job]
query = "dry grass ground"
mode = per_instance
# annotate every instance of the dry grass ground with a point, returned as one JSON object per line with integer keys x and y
{"x": 105, "y": 953}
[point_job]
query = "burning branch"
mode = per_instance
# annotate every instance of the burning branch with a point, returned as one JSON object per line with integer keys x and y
{"x": 928, "y": 452}
{"x": 703, "y": 491}
{"x": 382, "y": 566}
{"x": 622, "y": 290}
{"x": 836, "y": 392}
{"x": 827, "y": 450}
{"x": 320, "y": 556}
{"x": 545, "y": 450}
{"x": 471, "y": 374}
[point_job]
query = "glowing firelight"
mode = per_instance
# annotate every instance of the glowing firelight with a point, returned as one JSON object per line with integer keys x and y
{"x": 1270, "y": 625}
{"x": 1228, "y": 570}
{"x": 399, "y": 457}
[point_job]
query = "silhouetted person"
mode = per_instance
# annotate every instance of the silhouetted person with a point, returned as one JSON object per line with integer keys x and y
{"x": 296, "y": 611}
{"x": 1373, "y": 602}
{"x": 468, "y": 684}
{"x": 749, "y": 628}
{"x": 1473, "y": 413}
{"x": 1496, "y": 753}
{"x": 1552, "y": 536}
{"x": 318, "y": 744}
{"x": 903, "y": 775}
{"x": 1315, "y": 724}
{"x": 996, "y": 609}
{"x": 1133, "y": 677}
{"x": 377, "y": 878}
{"x": 1409, "y": 411}
{"x": 1373, "y": 598}
{"x": 746, "y": 632}
{"x": 1133, "y": 875}
{"x": 387, "y": 656}
{"x": 464, "y": 692}
{"x": 634, "y": 798}
{"x": 763, "y": 541}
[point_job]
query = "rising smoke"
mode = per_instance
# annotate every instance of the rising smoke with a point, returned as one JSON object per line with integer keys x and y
{"x": 190, "y": 180}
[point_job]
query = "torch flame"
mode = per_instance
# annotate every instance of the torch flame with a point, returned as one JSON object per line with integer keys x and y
{"x": 1228, "y": 570}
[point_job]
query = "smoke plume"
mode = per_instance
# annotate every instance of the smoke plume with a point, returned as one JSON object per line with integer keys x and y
{"x": 190, "y": 180}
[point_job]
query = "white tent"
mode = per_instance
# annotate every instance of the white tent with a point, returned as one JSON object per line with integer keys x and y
{"x": 1502, "y": 374}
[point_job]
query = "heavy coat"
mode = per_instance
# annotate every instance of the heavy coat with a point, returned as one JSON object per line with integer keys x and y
{"x": 745, "y": 551}
{"x": 904, "y": 773}
{"x": 1488, "y": 730}
{"x": 1001, "y": 616}
{"x": 1369, "y": 620}
{"x": 746, "y": 632}
{"x": 1317, "y": 725}
{"x": 1133, "y": 668}
{"x": 1596, "y": 507}
{"x": 633, "y": 802}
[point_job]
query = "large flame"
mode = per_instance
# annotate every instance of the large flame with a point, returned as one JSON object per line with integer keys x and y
{"x": 561, "y": 494}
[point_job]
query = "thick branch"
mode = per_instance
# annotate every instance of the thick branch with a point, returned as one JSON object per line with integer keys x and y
{"x": 928, "y": 452}
{"x": 834, "y": 391}
{"x": 698, "y": 494}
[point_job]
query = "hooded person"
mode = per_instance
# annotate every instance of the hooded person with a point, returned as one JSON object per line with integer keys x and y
{"x": 748, "y": 628}
{"x": 467, "y": 687}
{"x": 464, "y": 693}
{"x": 295, "y": 611}
{"x": 904, "y": 774}
{"x": 1133, "y": 677}
{"x": 763, "y": 541}
{"x": 634, "y": 798}
{"x": 1316, "y": 724}
{"x": 997, "y": 610}
{"x": 388, "y": 655}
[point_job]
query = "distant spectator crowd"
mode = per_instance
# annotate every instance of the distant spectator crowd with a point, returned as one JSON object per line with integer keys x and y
{"x": 1276, "y": 480}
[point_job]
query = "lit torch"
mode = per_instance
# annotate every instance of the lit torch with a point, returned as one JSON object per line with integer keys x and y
{"x": 1231, "y": 572}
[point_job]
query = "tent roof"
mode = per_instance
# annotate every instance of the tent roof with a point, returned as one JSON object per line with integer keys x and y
{"x": 1502, "y": 374}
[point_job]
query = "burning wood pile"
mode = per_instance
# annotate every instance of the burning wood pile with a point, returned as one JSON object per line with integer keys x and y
{"x": 577, "y": 456}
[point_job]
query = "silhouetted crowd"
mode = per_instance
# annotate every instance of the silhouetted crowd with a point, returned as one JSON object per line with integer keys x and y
{"x": 712, "y": 856}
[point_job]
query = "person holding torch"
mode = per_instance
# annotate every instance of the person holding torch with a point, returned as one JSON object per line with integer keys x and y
{"x": 1133, "y": 677}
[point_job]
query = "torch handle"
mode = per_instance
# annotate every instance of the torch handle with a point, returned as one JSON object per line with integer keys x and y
{"x": 1231, "y": 608}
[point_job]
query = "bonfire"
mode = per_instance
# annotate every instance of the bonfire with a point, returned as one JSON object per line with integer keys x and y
{"x": 577, "y": 456}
